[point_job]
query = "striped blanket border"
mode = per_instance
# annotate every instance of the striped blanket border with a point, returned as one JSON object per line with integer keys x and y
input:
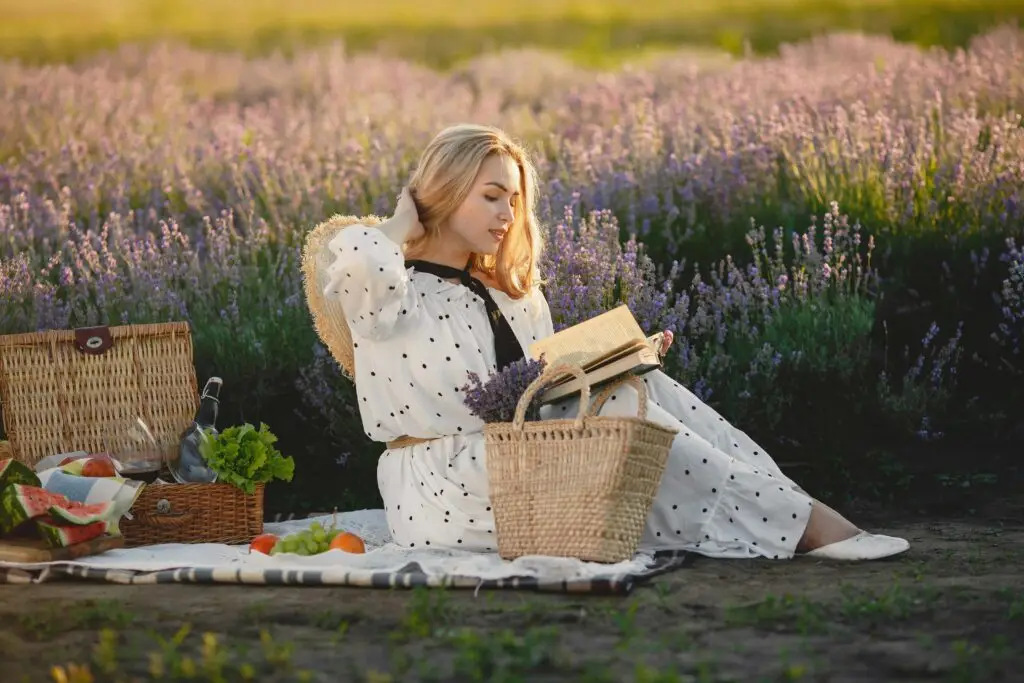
{"x": 410, "y": 576}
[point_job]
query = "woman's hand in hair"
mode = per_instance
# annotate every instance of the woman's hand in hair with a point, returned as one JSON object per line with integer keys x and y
{"x": 404, "y": 225}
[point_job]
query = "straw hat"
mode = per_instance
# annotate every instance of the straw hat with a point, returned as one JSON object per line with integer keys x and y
{"x": 329, "y": 318}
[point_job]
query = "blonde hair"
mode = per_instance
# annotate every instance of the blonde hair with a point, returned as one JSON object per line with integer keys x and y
{"x": 442, "y": 181}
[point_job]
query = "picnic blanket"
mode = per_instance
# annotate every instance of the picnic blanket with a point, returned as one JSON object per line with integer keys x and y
{"x": 384, "y": 565}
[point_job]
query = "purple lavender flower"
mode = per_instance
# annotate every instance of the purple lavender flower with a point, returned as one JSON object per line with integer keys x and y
{"x": 1010, "y": 332}
{"x": 496, "y": 399}
{"x": 154, "y": 198}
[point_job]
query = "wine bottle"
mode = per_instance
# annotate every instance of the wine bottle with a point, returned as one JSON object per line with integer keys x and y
{"x": 190, "y": 465}
{"x": 209, "y": 405}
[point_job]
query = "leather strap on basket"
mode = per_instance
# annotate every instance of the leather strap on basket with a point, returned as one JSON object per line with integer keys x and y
{"x": 93, "y": 340}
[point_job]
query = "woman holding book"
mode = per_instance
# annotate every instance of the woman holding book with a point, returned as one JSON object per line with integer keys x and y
{"x": 448, "y": 285}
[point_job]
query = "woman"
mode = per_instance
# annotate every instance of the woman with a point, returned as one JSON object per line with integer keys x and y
{"x": 448, "y": 285}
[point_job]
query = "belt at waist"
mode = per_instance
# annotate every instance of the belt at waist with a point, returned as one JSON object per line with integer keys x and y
{"x": 403, "y": 441}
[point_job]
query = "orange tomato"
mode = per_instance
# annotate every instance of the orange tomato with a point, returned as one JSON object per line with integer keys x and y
{"x": 263, "y": 543}
{"x": 348, "y": 542}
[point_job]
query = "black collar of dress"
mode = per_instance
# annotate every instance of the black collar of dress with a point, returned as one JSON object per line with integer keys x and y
{"x": 506, "y": 346}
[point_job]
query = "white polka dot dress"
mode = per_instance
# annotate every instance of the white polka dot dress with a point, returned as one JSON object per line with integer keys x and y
{"x": 417, "y": 336}
{"x": 721, "y": 494}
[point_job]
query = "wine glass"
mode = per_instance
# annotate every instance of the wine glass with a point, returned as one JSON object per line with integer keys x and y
{"x": 135, "y": 451}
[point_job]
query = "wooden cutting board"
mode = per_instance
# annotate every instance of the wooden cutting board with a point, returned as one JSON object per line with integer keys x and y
{"x": 36, "y": 550}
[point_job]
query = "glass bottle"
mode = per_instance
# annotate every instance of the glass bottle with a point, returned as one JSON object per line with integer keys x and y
{"x": 190, "y": 466}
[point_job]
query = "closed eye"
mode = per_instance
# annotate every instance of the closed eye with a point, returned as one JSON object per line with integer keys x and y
{"x": 515, "y": 195}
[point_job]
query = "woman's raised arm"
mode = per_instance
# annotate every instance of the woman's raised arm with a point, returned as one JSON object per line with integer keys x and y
{"x": 368, "y": 274}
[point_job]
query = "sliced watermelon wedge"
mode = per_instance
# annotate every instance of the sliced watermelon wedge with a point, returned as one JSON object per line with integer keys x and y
{"x": 22, "y": 502}
{"x": 59, "y": 535}
{"x": 16, "y": 472}
{"x": 79, "y": 514}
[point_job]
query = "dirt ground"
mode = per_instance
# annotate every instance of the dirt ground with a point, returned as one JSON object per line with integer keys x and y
{"x": 951, "y": 609}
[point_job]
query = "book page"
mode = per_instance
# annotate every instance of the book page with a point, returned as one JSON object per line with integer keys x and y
{"x": 591, "y": 339}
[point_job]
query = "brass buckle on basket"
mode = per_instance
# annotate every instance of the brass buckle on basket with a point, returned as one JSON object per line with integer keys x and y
{"x": 93, "y": 340}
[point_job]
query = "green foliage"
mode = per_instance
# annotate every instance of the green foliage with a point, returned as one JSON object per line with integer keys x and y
{"x": 760, "y": 380}
{"x": 443, "y": 33}
{"x": 824, "y": 337}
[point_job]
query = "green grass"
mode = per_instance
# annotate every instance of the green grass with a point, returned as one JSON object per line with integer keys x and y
{"x": 54, "y": 620}
{"x": 443, "y": 32}
{"x": 439, "y": 636}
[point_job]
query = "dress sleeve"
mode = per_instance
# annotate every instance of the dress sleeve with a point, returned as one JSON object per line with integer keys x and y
{"x": 368, "y": 277}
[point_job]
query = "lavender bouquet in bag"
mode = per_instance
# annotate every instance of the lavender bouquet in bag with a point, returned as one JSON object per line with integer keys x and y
{"x": 496, "y": 399}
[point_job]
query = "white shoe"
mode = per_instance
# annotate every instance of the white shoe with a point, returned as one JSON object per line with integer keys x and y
{"x": 863, "y": 546}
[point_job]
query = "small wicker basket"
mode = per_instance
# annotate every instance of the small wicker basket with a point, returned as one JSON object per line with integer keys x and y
{"x": 194, "y": 513}
{"x": 575, "y": 488}
{"x": 67, "y": 390}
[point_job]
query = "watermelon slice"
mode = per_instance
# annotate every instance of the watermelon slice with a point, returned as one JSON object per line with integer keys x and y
{"x": 79, "y": 514}
{"x": 59, "y": 535}
{"x": 15, "y": 472}
{"x": 22, "y": 502}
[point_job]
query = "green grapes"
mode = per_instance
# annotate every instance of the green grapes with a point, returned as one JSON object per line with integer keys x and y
{"x": 312, "y": 541}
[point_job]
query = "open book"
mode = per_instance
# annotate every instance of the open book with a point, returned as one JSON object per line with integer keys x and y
{"x": 606, "y": 346}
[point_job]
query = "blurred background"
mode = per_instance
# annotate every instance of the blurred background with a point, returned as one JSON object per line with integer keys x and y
{"x": 824, "y": 199}
{"x": 443, "y": 32}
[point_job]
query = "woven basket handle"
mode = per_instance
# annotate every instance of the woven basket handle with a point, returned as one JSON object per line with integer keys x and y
{"x": 602, "y": 398}
{"x": 549, "y": 373}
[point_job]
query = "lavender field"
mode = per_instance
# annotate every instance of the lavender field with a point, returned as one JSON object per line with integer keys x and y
{"x": 835, "y": 234}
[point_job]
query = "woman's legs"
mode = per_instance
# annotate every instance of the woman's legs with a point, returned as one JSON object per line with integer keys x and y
{"x": 829, "y": 535}
{"x": 825, "y": 526}
{"x": 722, "y": 495}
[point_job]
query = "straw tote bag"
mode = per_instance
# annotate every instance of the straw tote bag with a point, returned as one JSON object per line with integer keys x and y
{"x": 579, "y": 487}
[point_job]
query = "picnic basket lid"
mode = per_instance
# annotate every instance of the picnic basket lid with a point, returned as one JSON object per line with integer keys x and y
{"x": 328, "y": 315}
{"x": 64, "y": 390}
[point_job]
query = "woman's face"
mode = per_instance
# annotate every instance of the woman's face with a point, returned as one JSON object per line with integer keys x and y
{"x": 483, "y": 218}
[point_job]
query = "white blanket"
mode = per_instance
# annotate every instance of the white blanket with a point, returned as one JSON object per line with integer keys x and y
{"x": 382, "y": 556}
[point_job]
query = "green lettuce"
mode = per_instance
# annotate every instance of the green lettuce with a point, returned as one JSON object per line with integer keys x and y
{"x": 245, "y": 456}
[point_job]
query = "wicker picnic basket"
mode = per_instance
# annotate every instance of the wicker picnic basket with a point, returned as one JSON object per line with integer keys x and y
{"x": 575, "y": 488}
{"x": 68, "y": 390}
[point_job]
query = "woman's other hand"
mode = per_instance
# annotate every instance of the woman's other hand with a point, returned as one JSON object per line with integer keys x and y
{"x": 666, "y": 341}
